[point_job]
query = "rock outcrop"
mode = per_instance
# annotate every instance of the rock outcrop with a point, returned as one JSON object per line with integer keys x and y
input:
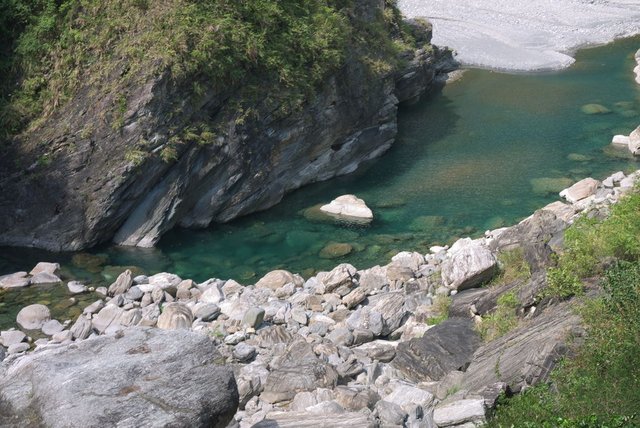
{"x": 98, "y": 184}
{"x": 526, "y": 355}
{"x": 143, "y": 378}
{"x": 444, "y": 348}
{"x": 345, "y": 347}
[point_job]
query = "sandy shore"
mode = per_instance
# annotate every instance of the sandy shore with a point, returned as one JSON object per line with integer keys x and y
{"x": 524, "y": 35}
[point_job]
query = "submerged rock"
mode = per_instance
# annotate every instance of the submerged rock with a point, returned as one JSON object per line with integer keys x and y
{"x": 594, "y": 109}
{"x": 113, "y": 381}
{"x": 547, "y": 185}
{"x": 334, "y": 250}
{"x": 348, "y": 206}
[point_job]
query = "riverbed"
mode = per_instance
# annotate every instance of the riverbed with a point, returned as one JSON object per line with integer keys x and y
{"x": 479, "y": 154}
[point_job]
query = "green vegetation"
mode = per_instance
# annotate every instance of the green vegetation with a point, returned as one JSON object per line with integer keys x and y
{"x": 441, "y": 306}
{"x": 589, "y": 242}
{"x": 513, "y": 266}
{"x": 503, "y": 319}
{"x": 562, "y": 283}
{"x": 600, "y": 387}
{"x": 54, "y": 48}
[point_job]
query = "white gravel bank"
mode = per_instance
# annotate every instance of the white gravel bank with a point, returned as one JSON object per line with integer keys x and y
{"x": 524, "y": 35}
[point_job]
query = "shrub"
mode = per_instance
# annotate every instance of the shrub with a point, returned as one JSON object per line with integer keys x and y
{"x": 601, "y": 385}
{"x": 502, "y": 320}
{"x": 284, "y": 46}
{"x": 441, "y": 305}
{"x": 562, "y": 283}
{"x": 513, "y": 266}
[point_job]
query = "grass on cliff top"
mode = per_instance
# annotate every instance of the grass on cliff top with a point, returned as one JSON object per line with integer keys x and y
{"x": 600, "y": 386}
{"x": 50, "y": 48}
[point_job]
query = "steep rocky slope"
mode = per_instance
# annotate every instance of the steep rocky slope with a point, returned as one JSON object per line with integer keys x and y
{"x": 156, "y": 151}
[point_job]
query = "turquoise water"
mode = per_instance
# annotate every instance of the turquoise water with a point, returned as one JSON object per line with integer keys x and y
{"x": 466, "y": 160}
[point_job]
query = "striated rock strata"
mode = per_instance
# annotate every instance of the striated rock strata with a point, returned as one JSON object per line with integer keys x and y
{"x": 95, "y": 184}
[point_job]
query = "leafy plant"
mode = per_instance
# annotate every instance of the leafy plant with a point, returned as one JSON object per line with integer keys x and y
{"x": 513, "y": 266}
{"x": 562, "y": 283}
{"x": 503, "y": 318}
{"x": 441, "y": 305}
{"x": 600, "y": 387}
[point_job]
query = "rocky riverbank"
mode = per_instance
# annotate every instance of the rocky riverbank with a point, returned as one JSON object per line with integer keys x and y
{"x": 347, "y": 347}
{"x": 519, "y": 35}
{"x": 130, "y": 166}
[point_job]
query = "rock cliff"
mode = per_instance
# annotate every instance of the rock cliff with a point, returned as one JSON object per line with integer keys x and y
{"x": 180, "y": 156}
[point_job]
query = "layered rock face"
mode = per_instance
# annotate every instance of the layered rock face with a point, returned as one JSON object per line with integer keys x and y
{"x": 142, "y": 377}
{"x": 94, "y": 184}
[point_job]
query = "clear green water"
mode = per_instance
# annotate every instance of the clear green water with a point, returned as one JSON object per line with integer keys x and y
{"x": 463, "y": 162}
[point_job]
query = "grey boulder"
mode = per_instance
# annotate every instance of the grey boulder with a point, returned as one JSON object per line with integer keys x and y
{"x": 142, "y": 378}
{"x": 33, "y": 317}
{"x": 175, "y": 316}
{"x": 122, "y": 283}
{"x": 468, "y": 264}
{"x": 76, "y": 287}
{"x": 526, "y": 355}
{"x": 299, "y": 369}
{"x": 446, "y": 347}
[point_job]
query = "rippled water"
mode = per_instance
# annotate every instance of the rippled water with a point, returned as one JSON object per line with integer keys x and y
{"x": 467, "y": 159}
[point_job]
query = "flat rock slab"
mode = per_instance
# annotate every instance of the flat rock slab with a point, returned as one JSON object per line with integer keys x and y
{"x": 524, "y": 35}
{"x": 15, "y": 280}
{"x": 315, "y": 420}
{"x": 460, "y": 412}
{"x": 526, "y": 355}
{"x": 145, "y": 378}
{"x": 446, "y": 347}
{"x": 50, "y": 268}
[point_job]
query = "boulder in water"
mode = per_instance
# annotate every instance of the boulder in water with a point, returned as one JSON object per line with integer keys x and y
{"x": 348, "y": 206}
{"x": 547, "y": 185}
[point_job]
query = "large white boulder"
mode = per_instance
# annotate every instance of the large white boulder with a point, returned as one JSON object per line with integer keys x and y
{"x": 348, "y": 206}
{"x": 468, "y": 263}
{"x": 33, "y": 317}
{"x": 581, "y": 190}
{"x": 634, "y": 141}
